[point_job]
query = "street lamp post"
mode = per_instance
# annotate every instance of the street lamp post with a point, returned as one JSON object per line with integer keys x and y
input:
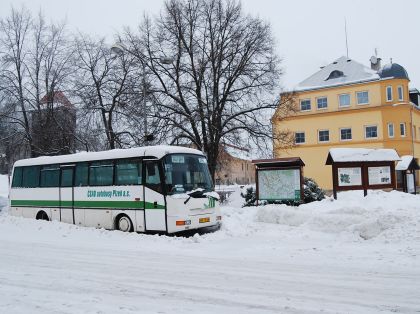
{"x": 119, "y": 49}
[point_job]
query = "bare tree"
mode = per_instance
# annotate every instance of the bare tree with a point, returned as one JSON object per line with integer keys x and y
{"x": 219, "y": 86}
{"x": 13, "y": 40}
{"x": 35, "y": 62}
{"x": 108, "y": 89}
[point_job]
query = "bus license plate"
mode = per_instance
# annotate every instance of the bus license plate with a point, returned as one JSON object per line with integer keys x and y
{"x": 203, "y": 220}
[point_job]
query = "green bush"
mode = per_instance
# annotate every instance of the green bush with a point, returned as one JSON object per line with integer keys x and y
{"x": 312, "y": 192}
{"x": 249, "y": 196}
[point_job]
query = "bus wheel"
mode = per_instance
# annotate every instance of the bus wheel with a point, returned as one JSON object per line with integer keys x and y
{"x": 124, "y": 224}
{"x": 42, "y": 216}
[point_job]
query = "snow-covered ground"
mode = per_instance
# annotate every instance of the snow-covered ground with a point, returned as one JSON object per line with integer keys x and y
{"x": 4, "y": 190}
{"x": 353, "y": 255}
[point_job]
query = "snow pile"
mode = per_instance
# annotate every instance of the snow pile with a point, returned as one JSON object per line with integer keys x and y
{"x": 266, "y": 259}
{"x": 4, "y": 185}
{"x": 4, "y": 190}
{"x": 391, "y": 216}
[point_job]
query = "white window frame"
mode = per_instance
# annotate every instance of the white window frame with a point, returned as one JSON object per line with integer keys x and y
{"x": 329, "y": 138}
{"x": 322, "y": 97}
{"x": 339, "y": 100}
{"x": 400, "y": 88}
{"x": 304, "y": 138}
{"x": 393, "y": 130}
{"x": 389, "y": 87}
{"x": 405, "y": 129}
{"x": 357, "y": 97}
{"x": 310, "y": 104}
{"x": 346, "y": 139}
{"x": 377, "y": 132}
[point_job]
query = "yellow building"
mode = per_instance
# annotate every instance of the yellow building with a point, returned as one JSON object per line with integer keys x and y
{"x": 346, "y": 104}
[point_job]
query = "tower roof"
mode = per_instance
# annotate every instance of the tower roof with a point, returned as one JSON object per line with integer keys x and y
{"x": 57, "y": 97}
{"x": 393, "y": 70}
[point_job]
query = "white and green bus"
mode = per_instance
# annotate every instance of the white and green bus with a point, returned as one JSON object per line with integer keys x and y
{"x": 155, "y": 188}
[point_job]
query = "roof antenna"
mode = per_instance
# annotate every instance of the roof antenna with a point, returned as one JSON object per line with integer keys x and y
{"x": 345, "y": 30}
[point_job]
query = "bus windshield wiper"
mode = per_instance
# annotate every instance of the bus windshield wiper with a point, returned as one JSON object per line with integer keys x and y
{"x": 195, "y": 194}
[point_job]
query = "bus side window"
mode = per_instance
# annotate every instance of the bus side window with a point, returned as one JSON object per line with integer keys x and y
{"x": 30, "y": 177}
{"x": 101, "y": 173}
{"x": 50, "y": 176}
{"x": 17, "y": 178}
{"x": 153, "y": 177}
{"x": 81, "y": 174}
{"x": 140, "y": 176}
{"x": 67, "y": 177}
{"x": 127, "y": 172}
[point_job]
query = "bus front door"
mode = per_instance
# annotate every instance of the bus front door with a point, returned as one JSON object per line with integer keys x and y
{"x": 154, "y": 200}
{"x": 67, "y": 195}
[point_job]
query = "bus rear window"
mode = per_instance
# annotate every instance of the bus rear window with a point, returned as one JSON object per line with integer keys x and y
{"x": 17, "y": 178}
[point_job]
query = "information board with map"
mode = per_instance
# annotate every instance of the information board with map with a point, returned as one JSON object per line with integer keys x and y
{"x": 350, "y": 176}
{"x": 282, "y": 184}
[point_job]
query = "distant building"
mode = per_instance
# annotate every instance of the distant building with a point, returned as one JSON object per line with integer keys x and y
{"x": 234, "y": 166}
{"x": 346, "y": 104}
{"x": 53, "y": 126}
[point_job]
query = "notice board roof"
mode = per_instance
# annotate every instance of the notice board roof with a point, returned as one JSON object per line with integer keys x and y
{"x": 407, "y": 162}
{"x": 361, "y": 155}
{"x": 279, "y": 162}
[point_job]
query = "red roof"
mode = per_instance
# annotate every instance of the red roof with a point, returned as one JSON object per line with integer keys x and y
{"x": 58, "y": 98}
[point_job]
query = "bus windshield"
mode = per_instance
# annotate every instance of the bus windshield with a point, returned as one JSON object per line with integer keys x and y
{"x": 186, "y": 172}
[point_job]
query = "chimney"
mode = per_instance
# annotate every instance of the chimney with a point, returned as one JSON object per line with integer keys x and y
{"x": 375, "y": 63}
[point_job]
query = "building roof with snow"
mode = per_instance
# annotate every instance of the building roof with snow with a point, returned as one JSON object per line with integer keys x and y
{"x": 361, "y": 154}
{"x": 279, "y": 162}
{"x": 238, "y": 152}
{"x": 407, "y": 162}
{"x": 340, "y": 72}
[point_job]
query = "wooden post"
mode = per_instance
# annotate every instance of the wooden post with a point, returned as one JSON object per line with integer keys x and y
{"x": 257, "y": 193}
{"x": 393, "y": 176}
{"x": 365, "y": 178}
{"x": 404, "y": 181}
{"x": 335, "y": 180}
{"x": 302, "y": 182}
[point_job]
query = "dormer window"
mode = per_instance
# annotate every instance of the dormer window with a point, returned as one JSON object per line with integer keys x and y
{"x": 335, "y": 74}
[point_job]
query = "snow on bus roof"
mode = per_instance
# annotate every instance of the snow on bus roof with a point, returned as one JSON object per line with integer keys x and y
{"x": 363, "y": 154}
{"x": 152, "y": 151}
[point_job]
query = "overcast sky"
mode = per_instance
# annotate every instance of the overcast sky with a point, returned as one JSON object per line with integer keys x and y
{"x": 309, "y": 33}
